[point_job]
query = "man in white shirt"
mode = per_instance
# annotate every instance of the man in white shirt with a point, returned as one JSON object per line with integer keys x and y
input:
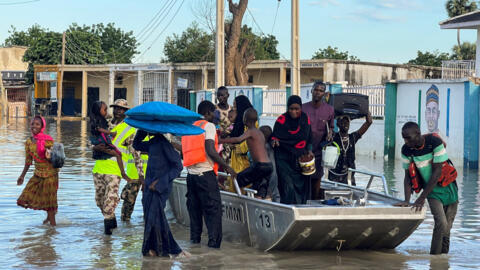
{"x": 201, "y": 158}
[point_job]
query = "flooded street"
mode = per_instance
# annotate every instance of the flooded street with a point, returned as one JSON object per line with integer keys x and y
{"x": 78, "y": 242}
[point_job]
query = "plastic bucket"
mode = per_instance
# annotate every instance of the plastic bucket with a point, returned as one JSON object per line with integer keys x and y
{"x": 308, "y": 167}
{"x": 330, "y": 154}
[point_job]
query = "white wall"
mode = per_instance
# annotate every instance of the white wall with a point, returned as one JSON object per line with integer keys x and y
{"x": 372, "y": 142}
{"x": 407, "y": 110}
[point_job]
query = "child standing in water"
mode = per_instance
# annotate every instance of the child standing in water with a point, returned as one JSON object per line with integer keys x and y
{"x": 41, "y": 190}
{"x": 102, "y": 136}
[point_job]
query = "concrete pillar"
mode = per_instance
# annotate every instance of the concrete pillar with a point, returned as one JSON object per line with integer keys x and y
{"x": 295, "y": 69}
{"x": 140, "y": 87}
{"x": 204, "y": 78}
{"x": 111, "y": 90}
{"x": 283, "y": 78}
{"x": 477, "y": 55}
{"x": 84, "y": 94}
{"x": 171, "y": 85}
{"x": 390, "y": 120}
{"x": 220, "y": 46}
{"x": 471, "y": 126}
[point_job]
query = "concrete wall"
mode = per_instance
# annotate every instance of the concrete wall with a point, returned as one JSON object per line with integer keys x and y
{"x": 11, "y": 58}
{"x": 411, "y": 106}
{"x": 370, "y": 73}
{"x": 270, "y": 77}
{"x": 309, "y": 75}
{"x": 101, "y": 80}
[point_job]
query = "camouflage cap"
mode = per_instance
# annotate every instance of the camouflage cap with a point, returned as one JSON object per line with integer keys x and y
{"x": 122, "y": 103}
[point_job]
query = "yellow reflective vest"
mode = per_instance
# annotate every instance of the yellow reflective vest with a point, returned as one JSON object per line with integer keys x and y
{"x": 132, "y": 169}
{"x": 110, "y": 166}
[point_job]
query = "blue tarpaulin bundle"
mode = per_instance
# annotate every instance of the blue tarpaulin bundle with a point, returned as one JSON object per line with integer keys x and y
{"x": 162, "y": 117}
{"x": 163, "y": 111}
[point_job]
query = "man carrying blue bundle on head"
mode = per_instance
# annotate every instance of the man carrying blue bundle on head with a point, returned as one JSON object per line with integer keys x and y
{"x": 201, "y": 158}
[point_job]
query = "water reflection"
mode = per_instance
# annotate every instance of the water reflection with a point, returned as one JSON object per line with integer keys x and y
{"x": 469, "y": 209}
{"x": 37, "y": 248}
{"x": 78, "y": 241}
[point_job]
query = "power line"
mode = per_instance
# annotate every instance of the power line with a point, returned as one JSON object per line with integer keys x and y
{"x": 143, "y": 31}
{"x": 157, "y": 23}
{"x": 163, "y": 30}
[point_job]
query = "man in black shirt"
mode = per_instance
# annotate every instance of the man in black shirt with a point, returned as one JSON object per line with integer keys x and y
{"x": 347, "y": 142}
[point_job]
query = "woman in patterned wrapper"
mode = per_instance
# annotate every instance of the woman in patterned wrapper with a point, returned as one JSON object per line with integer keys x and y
{"x": 40, "y": 193}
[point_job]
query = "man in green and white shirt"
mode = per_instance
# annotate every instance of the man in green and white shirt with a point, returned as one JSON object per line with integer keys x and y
{"x": 428, "y": 153}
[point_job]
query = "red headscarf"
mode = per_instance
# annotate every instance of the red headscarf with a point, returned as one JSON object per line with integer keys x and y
{"x": 41, "y": 137}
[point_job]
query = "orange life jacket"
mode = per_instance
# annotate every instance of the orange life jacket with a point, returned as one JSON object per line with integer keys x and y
{"x": 193, "y": 147}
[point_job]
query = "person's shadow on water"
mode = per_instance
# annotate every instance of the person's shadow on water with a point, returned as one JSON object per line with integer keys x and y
{"x": 37, "y": 249}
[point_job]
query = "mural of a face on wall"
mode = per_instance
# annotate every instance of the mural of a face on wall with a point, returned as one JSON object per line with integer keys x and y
{"x": 432, "y": 111}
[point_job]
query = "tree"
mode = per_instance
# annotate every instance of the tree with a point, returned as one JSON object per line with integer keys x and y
{"x": 24, "y": 38}
{"x": 101, "y": 44}
{"x": 237, "y": 57}
{"x": 196, "y": 45}
{"x": 96, "y": 44}
{"x": 333, "y": 53}
{"x": 433, "y": 59}
{"x": 193, "y": 45}
{"x": 465, "y": 51}
{"x": 458, "y": 7}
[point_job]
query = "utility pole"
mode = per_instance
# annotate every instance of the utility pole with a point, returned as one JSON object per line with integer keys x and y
{"x": 60, "y": 84}
{"x": 295, "y": 64}
{"x": 220, "y": 46}
{"x": 4, "y": 96}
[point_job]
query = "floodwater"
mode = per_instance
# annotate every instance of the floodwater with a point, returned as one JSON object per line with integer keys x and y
{"x": 78, "y": 241}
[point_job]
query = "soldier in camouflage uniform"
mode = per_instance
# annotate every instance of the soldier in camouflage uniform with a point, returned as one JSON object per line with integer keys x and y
{"x": 130, "y": 191}
{"x": 106, "y": 180}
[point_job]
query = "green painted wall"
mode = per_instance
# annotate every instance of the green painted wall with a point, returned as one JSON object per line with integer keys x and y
{"x": 390, "y": 119}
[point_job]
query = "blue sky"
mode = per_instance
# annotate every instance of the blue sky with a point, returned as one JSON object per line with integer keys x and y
{"x": 389, "y": 31}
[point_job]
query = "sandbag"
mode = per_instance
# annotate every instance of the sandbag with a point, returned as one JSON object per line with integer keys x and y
{"x": 172, "y": 127}
{"x": 57, "y": 155}
{"x": 157, "y": 110}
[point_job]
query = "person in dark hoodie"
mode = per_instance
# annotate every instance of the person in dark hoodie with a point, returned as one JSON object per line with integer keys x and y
{"x": 164, "y": 165}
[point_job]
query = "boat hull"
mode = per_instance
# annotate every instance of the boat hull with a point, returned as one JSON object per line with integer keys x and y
{"x": 274, "y": 226}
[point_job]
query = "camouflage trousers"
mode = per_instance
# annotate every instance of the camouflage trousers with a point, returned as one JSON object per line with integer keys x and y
{"x": 106, "y": 193}
{"x": 129, "y": 196}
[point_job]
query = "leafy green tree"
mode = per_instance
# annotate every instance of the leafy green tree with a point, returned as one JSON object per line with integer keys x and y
{"x": 96, "y": 44}
{"x": 196, "y": 45}
{"x": 458, "y": 7}
{"x": 193, "y": 45}
{"x": 466, "y": 51}
{"x": 262, "y": 47}
{"x": 333, "y": 53}
{"x": 99, "y": 43}
{"x": 24, "y": 38}
{"x": 433, "y": 59}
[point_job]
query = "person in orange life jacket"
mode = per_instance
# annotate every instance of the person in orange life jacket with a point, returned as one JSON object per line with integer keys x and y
{"x": 201, "y": 158}
{"x": 261, "y": 168}
{"x": 428, "y": 153}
